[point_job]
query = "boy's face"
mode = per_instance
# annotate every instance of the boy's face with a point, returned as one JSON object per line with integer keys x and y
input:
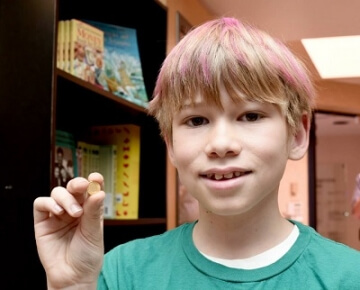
{"x": 231, "y": 160}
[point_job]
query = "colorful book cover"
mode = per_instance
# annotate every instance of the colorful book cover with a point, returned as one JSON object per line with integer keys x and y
{"x": 127, "y": 139}
{"x": 122, "y": 71}
{"x": 86, "y": 51}
{"x": 65, "y": 158}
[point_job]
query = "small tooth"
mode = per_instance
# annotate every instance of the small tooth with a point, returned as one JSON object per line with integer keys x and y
{"x": 209, "y": 175}
{"x": 218, "y": 176}
{"x": 237, "y": 173}
{"x": 228, "y": 175}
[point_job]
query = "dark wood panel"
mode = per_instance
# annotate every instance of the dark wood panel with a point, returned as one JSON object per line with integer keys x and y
{"x": 34, "y": 98}
{"x": 26, "y": 62}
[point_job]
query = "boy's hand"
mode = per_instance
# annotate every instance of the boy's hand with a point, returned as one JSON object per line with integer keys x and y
{"x": 69, "y": 234}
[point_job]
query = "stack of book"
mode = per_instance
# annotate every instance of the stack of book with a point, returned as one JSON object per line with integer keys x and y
{"x": 113, "y": 151}
{"x": 103, "y": 54}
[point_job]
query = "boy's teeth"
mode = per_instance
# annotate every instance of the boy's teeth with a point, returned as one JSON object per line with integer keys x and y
{"x": 218, "y": 176}
{"x": 229, "y": 175}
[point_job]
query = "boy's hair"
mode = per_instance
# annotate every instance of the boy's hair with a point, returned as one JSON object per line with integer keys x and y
{"x": 250, "y": 64}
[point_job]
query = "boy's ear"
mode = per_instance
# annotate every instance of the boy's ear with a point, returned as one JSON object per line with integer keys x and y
{"x": 300, "y": 141}
{"x": 170, "y": 150}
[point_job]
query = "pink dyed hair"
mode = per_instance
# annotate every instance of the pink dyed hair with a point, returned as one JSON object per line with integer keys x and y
{"x": 249, "y": 63}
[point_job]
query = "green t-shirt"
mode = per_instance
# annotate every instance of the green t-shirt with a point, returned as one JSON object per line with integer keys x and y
{"x": 171, "y": 261}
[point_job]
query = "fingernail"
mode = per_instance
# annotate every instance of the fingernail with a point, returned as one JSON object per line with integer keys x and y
{"x": 75, "y": 208}
{"x": 58, "y": 209}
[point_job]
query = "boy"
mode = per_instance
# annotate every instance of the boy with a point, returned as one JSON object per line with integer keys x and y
{"x": 233, "y": 106}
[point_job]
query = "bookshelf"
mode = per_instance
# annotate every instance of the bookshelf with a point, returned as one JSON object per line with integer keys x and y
{"x": 80, "y": 105}
{"x": 36, "y": 99}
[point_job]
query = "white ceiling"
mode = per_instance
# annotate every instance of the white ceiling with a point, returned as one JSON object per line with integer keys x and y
{"x": 293, "y": 20}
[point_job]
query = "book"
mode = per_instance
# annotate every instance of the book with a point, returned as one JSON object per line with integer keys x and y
{"x": 93, "y": 157}
{"x": 66, "y": 46}
{"x": 103, "y": 159}
{"x": 122, "y": 71}
{"x": 108, "y": 168}
{"x": 86, "y": 51}
{"x": 127, "y": 139}
{"x": 60, "y": 45}
{"x": 88, "y": 156}
{"x": 65, "y": 158}
{"x": 82, "y": 155}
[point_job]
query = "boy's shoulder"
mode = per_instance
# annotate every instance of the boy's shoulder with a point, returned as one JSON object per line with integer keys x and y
{"x": 321, "y": 256}
{"x": 322, "y": 248}
{"x": 167, "y": 240}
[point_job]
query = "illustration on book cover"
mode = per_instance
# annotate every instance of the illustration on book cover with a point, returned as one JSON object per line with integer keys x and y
{"x": 122, "y": 71}
{"x": 86, "y": 51}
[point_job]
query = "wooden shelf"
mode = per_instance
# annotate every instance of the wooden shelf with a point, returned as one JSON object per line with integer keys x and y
{"x": 98, "y": 90}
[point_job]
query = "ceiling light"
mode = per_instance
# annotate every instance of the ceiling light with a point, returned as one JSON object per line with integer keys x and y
{"x": 335, "y": 57}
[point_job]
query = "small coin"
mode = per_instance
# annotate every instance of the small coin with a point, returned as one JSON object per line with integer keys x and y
{"x": 93, "y": 187}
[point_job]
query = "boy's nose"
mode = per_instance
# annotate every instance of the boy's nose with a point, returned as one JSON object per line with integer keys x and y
{"x": 223, "y": 141}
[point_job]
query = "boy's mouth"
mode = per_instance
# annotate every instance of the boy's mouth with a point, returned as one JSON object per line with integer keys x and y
{"x": 230, "y": 175}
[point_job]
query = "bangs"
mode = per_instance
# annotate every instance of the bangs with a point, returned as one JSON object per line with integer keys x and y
{"x": 203, "y": 65}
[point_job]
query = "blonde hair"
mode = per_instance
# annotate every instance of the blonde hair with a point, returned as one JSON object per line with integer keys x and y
{"x": 249, "y": 63}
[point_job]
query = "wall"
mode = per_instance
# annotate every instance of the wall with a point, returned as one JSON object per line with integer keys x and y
{"x": 343, "y": 150}
{"x": 295, "y": 179}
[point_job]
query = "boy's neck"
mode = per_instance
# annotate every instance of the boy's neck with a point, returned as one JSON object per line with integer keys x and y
{"x": 239, "y": 237}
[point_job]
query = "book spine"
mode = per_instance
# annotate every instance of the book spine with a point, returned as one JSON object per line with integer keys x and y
{"x": 107, "y": 167}
{"x": 114, "y": 179}
{"x": 79, "y": 158}
{"x": 65, "y": 158}
{"x": 83, "y": 149}
{"x": 127, "y": 193}
{"x": 60, "y": 44}
{"x": 66, "y": 48}
{"x": 72, "y": 46}
{"x": 94, "y": 158}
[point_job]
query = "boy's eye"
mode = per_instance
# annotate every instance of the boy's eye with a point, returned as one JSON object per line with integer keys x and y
{"x": 197, "y": 121}
{"x": 251, "y": 117}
